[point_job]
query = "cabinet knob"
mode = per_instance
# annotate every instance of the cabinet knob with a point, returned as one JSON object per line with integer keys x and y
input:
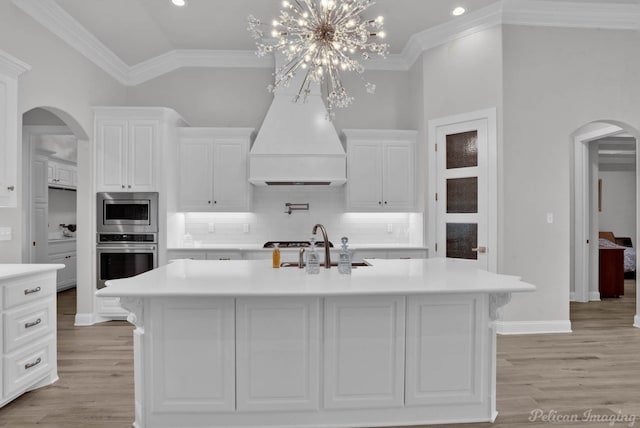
{"x": 11, "y": 188}
{"x": 215, "y": 202}
{"x": 209, "y": 202}
{"x": 123, "y": 186}
{"x": 129, "y": 186}
{"x": 379, "y": 202}
{"x": 385, "y": 202}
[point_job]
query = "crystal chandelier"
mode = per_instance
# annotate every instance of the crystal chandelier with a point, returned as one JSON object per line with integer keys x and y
{"x": 321, "y": 38}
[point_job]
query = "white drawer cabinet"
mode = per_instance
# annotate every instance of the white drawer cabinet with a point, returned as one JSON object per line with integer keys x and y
{"x": 28, "y": 328}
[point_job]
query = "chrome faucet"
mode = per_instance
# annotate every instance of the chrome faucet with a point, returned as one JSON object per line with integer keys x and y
{"x": 327, "y": 255}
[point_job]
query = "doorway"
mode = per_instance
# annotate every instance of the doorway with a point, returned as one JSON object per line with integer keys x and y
{"x": 51, "y": 138}
{"x": 611, "y": 147}
{"x": 463, "y": 187}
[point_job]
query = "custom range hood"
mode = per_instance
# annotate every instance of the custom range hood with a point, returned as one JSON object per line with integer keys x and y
{"x": 296, "y": 144}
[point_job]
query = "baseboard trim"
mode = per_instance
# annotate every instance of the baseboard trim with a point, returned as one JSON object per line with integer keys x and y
{"x": 532, "y": 327}
{"x": 636, "y": 321}
{"x": 594, "y": 296}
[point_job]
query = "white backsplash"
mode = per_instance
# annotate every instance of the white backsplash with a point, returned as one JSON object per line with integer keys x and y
{"x": 269, "y": 222}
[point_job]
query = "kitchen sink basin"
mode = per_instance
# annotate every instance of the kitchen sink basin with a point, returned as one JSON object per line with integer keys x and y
{"x": 333, "y": 264}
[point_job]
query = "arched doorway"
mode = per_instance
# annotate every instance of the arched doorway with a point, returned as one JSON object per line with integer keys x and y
{"x": 58, "y": 124}
{"x": 585, "y": 206}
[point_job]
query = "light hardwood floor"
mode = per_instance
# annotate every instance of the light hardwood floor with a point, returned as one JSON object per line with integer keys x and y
{"x": 596, "y": 368}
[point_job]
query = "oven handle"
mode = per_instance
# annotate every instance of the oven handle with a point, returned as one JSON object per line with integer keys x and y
{"x": 135, "y": 248}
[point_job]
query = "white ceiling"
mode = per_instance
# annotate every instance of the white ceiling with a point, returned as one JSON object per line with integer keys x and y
{"x": 138, "y": 30}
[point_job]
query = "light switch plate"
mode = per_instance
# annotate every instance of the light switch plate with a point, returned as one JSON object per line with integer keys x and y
{"x": 245, "y": 228}
{"x": 550, "y": 218}
{"x": 212, "y": 228}
{"x": 5, "y": 234}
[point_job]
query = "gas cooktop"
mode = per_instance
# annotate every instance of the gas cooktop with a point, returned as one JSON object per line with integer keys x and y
{"x": 293, "y": 244}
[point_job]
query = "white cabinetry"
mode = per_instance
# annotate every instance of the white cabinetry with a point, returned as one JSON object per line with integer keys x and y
{"x": 129, "y": 143}
{"x": 364, "y": 352}
{"x": 62, "y": 174}
{"x": 204, "y": 381}
{"x": 278, "y": 361}
{"x": 64, "y": 252}
{"x": 28, "y": 345}
{"x": 380, "y": 170}
{"x": 213, "y": 169}
{"x": 10, "y": 69}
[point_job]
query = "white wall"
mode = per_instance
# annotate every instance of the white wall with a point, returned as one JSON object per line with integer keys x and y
{"x": 555, "y": 81}
{"x": 228, "y": 97}
{"x": 618, "y": 213}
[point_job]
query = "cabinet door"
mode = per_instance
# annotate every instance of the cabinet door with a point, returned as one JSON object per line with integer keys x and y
{"x": 230, "y": 175}
{"x": 364, "y": 176}
{"x": 65, "y": 175}
{"x": 364, "y": 352}
{"x": 142, "y": 154}
{"x": 111, "y": 154}
{"x": 193, "y": 353}
{"x": 8, "y": 139}
{"x": 398, "y": 179}
{"x": 51, "y": 172}
{"x": 66, "y": 276}
{"x": 195, "y": 189}
{"x": 277, "y": 345}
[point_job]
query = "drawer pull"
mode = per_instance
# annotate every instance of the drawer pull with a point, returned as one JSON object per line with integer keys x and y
{"x": 32, "y": 324}
{"x": 32, "y": 290}
{"x": 35, "y": 363}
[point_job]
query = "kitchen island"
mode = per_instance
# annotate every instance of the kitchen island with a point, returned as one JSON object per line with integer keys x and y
{"x": 238, "y": 343}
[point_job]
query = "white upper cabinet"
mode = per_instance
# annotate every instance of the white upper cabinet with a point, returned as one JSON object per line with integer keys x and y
{"x": 62, "y": 174}
{"x": 213, "y": 169}
{"x": 129, "y": 143}
{"x": 380, "y": 170}
{"x": 10, "y": 69}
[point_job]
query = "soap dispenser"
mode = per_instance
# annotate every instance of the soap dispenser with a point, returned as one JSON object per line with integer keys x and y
{"x": 313, "y": 259}
{"x": 344, "y": 258}
{"x": 275, "y": 256}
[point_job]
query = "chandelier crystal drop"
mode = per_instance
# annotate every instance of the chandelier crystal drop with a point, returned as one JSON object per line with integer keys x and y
{"x": 321, "y": 38}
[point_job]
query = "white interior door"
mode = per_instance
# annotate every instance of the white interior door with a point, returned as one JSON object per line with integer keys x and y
{"x": 463, "y": 180}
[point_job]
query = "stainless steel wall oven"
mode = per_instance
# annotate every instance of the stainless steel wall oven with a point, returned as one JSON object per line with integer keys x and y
{"x": 127, "y": 238}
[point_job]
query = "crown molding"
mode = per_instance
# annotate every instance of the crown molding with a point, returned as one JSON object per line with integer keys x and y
{"x": 49, "y": 14}
{"x": 545, "y": 13}
{"x": 463, "y": 26}
{"x": 566, "y": 14}
{"x": 11, "y": 65}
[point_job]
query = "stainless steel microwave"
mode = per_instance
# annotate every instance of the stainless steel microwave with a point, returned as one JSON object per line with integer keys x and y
{"x": 122, "y": 212}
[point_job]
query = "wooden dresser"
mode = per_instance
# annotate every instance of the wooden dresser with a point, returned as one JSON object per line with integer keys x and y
{"x": 611, "y": 272}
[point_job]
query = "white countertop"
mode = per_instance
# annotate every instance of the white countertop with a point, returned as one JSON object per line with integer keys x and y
{"x": 14, "y": 270}
{"x": 257, "y": 247}
{"x": 258, "y": 278}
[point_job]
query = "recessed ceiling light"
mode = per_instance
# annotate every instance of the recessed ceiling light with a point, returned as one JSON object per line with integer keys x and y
{"x": 179, "y": 2}
{"x": 458, "y": 11}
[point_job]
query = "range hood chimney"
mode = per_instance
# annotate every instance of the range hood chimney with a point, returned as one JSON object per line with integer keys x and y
{"x": 296, "y": 144}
